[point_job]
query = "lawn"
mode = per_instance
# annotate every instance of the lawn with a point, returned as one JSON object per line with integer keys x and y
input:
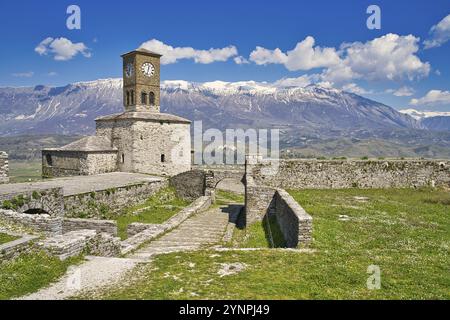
{"x": 30, "y": 272}
{"x": 4, "y": 238}
{"x": 403, "y": 232}
{"x": 25, "y": 171}
{"x": 157, "y": 209}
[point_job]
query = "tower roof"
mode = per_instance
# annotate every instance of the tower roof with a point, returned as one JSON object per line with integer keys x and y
{"x": 145, "y": 116}
{"x": 143, "y": 51}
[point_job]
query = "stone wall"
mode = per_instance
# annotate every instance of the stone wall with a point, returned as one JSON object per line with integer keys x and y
{"x": 13, "y": 249}
{"x": 258, "y": 200}
{"x": 100, "y": 204}
{"x": 59, "y": 163}
{"x": 4, "y": 169}
{"x": 189, "y": 185}
{"x": 28, "y": 198}
{"x": 294, "y": 222}
{"x": 38, "y": 222}
{"x": 81, "y": 242}
{"x": 106, "y": 226}
{"x": 331, "y": 174}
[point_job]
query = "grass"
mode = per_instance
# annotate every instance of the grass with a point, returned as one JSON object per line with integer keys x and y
{"x": 405, "y": 232}
{"x": 4, "y": 238}
{"x": 224, "y": 197}
{"x": 157, "y": 209}
{"x": 30, "y": 272}
{"x": 24, "y": 171}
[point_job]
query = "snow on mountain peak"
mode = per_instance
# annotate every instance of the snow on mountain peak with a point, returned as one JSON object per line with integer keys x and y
{"x": 417, "y": 114}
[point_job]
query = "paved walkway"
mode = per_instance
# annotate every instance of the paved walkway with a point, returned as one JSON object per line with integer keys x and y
{"x": 81, "y": 184}
{"x": 96, "y": 273}
{"x": 201, "y": 231}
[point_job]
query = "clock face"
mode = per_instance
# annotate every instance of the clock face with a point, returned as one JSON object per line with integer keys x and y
{"x": 129, "y": 70}
{"x": 148, "y": 69}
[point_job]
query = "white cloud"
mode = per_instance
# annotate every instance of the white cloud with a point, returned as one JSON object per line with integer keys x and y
{"x": 23, "y": 74}
{"x": 173, "y": 54}
{"x": 52, "y": 74}
{"x": 301, "y": 81}
{"x": 354, "y": 88}
{"x": 432, "y": 98}
{"x": 439, "y": 34}
{"x": 402, "y": 92}
{"x": 390, "y": 57}
{"x": 240, "y": 60}
{"x": 303, "y": 57}
{"x": 62, "y": 49}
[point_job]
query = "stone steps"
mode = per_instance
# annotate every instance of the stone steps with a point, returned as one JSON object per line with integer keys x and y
{"x": 199, "y": 231}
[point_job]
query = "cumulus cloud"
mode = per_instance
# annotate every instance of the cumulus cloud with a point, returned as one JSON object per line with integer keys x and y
{"x": 354, "y": 88}
{"x": 62, "y": 49}
{"x": 432, "y": 98}
{"x": 240, "y": 60}
{"x": 304, "y": 56}
{"x": 390, "y": 57}
{"x": 402, "y": 92}
{"x": 301, "y": 81}
{"x": 23, "y": 74}
{"x": 173, "y": 54}
{"x": 439, "y": 34}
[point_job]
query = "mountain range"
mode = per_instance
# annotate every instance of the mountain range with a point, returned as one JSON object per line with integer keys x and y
{"x": 307, "y": 116}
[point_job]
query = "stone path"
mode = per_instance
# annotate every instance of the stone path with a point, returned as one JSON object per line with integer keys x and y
{"x": 201, "y": 231}
{"x": 94, "y": 274}
{"x": 81, "y": 184}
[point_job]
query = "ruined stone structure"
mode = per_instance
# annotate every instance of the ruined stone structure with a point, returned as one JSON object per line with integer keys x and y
{"x": 4, "y": 178}
{"x": 140, "y": 140}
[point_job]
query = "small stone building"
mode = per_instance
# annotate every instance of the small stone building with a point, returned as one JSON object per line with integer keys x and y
{"x": 141, "y": 139}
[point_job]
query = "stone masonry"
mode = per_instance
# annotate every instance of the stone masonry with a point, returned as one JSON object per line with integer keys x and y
{"x": 4, "y": 169}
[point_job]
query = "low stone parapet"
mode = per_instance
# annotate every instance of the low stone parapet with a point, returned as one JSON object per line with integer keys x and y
{"x": 81, "y": 242}
{"x": 74, "y": 224}
{"x": 38, "y": 222}
{"x": 13, "y": 249}
{"x": 295, "y": 223}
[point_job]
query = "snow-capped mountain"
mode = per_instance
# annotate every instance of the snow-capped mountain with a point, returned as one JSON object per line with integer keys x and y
{"x": 310, "y": 110}
{"x": 432, "y": 120}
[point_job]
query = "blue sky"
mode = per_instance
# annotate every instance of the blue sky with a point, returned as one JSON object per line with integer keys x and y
{"x": 411, "y": 76}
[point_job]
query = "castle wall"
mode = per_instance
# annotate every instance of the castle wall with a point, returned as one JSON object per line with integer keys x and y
{"x": 4, "y": 169}
{"x": 333, "y": 174}
{"x": 75, "y": 163}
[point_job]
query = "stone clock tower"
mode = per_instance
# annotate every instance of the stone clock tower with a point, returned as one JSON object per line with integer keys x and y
{"x": 141, "y": 79}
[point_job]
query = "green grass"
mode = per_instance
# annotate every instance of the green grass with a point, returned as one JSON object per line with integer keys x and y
{"x": 405, "y": 232}
{"x": 224, "y": 197}
{"x": 157, "y": 209}
{"x": 30, "y": 272}
{"x": 257, "y": 235}
{"x": 24, "y": 171}
{"x": 4, "y": 238}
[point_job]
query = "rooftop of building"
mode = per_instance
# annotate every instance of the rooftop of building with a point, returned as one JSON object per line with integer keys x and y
{"x": 87, "y": 144}
{"x": 145, "y": 116}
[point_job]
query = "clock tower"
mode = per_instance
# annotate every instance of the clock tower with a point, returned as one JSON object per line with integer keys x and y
{"x": 141, "y": 81}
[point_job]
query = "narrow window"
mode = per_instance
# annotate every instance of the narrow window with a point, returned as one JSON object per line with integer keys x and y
{"x": 151, "y": 99}
{"x": 163, "y": 158}
{"x": 123, "y": 158}
{"x": 128, "y": 98}
{"x": 49, "y": 160}
{"x": 143, "y": 98}
{"x": 132, "y": 97}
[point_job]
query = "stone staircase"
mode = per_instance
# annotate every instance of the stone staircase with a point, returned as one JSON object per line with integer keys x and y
{"x": 201, "y": 231}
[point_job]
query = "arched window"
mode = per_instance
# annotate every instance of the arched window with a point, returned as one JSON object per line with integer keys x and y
{"x": 128, "y": 98}
{"x": 132, "y": 97}
{"x": 151, "y": 98}
{"x": 143, "y": 98}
